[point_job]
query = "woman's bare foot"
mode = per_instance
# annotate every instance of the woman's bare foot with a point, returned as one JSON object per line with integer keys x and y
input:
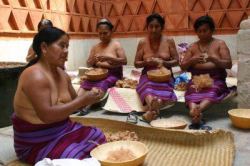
{"x": 149, "y": 116}
{"x": 196, "y": 115}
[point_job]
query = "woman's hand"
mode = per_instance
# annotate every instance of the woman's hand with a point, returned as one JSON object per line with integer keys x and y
{"x": 93, "y": 96}
{"x": 212, "y": 58}
{"x": 197, "y": 59}
{"x": 154, "y": 62}
{"x": 102, "y": 58}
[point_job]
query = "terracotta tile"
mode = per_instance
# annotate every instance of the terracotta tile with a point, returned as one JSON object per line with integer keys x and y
{"x": 119, "y": 6}
{"x": 176, "y": 21}
{"x": 93, "y": 22}
{"x": 198, "y": 7}
{"x": 134, "y": 25}
{"x": 133, "y": 5}
{"x": 35, "y": 17}
{"x": 65, "y": 21}
{"x": 244, "y": 3}
{"x": 235, "y": 17}
{"x": 70, "y": 5}
{"x": 45, "y": 4}
{"x": 206, "y": 4}
{"x": 217, "y": 17}
{"x": 176, "y": 6}
{"x": 157, "y": 8}
{"x": 20, "y": 17}
{"x": 4, "y": 2}
{"x": 148, "y": 5}
{"x": 86, "y": 24}
{"x": 35, "y": 4}
{"x": 75, "y": 20}
{"x": 142, "y": 9}
{"x": 225, "y": 3}
{"x": 225, "y": 22}
{"x": 119, "y": 26}
{"x": 4, "y": 24}
{"x": 126, "y": 21}
{"x": 216, "y": 5}
{"x": 89, "y": 5}
{"x": 127, "y": 10}
{"x": 163, "y": 5}
{"x": 234, "y": 5}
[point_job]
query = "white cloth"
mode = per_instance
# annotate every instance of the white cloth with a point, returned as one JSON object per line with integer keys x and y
{"x": 67, "y": 162}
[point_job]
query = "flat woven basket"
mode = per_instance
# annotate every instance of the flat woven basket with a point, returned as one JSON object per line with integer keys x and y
{"x": 173, "y": 147}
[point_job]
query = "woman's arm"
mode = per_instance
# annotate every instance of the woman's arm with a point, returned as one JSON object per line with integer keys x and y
{"x": 121, "y": 58}
{"x": 91, "y": 62}
{"x": 224, "y": 60}
{"x": 189, "y": 60}
{"x": 31, "y": 54}
{"x": 71, "y": 89}
{"x": 37, "y": 88}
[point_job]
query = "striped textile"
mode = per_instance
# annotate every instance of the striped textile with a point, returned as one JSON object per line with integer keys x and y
{"x": 215, "y": 94}
{"x": 65, "y": 139}
{"x": 113, "y": 76}
{"x": 164, "y": 91}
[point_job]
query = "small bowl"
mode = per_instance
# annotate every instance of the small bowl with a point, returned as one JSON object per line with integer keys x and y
{"x": 158, "y": 76}
{"x": 168, "y": 123}
{"x": 96, "y": 74}
{"x": 139, "y": 149}
{"x": 240, "y": 118}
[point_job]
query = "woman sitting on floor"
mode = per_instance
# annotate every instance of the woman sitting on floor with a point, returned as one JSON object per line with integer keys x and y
{"x": 206, "y": 56}
{"x": 44, "y": 100}
{"x": 154, "y": 51}
{"x": 107, "y": 54}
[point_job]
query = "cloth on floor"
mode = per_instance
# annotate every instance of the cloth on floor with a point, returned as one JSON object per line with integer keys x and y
{"x": 65, "y": 139}
{"x": 67, "y": 162}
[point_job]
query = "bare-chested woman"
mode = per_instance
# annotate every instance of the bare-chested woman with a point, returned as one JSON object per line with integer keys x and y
{"x": 107, "y": 54}
{"x": 206, "y": 56}
{"x": 153, "y": 51}
{"x": 44, "y": 100}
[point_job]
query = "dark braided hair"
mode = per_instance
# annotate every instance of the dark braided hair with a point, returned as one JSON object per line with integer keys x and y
{"x": 47, "y": 35}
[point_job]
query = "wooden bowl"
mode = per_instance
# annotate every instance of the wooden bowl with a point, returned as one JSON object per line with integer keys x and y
{"x": 159, "y": 75}
{"x": 96, "y": 74}
{"x": 82, "y": 70}
{"x": 168, "y": 123}
{"x": 102, "y": 152}
{"x": 240, "y": 118}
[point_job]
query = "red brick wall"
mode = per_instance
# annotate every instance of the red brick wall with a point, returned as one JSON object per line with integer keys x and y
{"x": 79, "y": 17}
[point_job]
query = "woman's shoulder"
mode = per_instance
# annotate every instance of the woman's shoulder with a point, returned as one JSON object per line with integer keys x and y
{"x": 33, "y": 74}
{"x": 218, "y": 41}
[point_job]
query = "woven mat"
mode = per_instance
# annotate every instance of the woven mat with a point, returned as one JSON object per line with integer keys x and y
{"x": 176, "y": 147}
{"x": 173, "y": 147}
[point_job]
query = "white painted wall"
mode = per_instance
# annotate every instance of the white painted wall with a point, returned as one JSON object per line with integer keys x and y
{"x": 16, "y": 50}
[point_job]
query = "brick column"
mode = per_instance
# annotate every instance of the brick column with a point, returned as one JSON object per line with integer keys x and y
{"x": 243, "y": 52}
